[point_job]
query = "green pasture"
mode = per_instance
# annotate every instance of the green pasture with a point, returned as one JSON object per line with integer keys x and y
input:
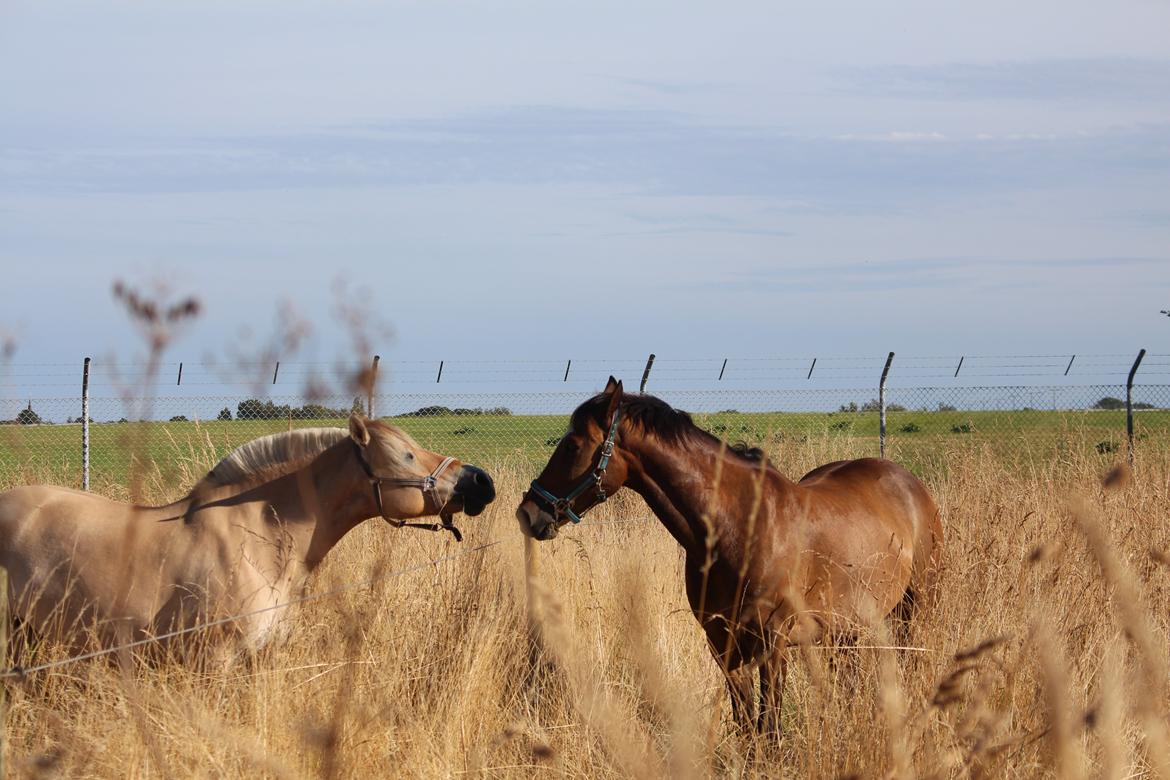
{"x": 922, "y": 440}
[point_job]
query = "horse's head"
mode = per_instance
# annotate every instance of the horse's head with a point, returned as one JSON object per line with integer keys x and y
{"x": 410, "y": 481}
{"x": 583, "y": 471}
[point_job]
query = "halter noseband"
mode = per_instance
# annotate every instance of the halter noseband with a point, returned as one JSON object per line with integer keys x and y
{"x": 425, "y": 484}
{"x": 564, "y": 506}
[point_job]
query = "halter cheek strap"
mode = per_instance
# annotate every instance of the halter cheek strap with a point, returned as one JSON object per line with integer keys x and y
{"x": 563, "y": 507}
{"x": 426, "y": 484}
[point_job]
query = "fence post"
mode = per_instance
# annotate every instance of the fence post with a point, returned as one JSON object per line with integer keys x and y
{"x": 646, "y": 373}
{"x": 882, "y": 406}
{"x": 84, "y": 431}
{"x": 1129, "y": 404}
{"x": 372, "y": 386}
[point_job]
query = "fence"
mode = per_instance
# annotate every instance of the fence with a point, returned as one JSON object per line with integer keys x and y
{"x": 68, "y": 439}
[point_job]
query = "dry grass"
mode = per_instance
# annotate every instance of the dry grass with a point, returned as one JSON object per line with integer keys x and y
{"x": 1046, "y": 655}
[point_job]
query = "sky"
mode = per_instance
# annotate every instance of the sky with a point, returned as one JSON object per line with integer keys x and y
{"x": 511, "y": 181}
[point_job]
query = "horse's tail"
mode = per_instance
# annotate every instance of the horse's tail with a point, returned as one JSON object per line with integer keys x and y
{"x": 922, "y": 591}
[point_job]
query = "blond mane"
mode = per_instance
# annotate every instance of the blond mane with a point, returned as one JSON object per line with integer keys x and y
{"x": 271, "y": 456}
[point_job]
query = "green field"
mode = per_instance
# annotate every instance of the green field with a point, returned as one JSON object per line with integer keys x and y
{"x": 919, "y": 439}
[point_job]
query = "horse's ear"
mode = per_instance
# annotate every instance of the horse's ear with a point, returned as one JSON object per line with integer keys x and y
{"x": 613, "y": 390}
{"x": 357, "y": 429}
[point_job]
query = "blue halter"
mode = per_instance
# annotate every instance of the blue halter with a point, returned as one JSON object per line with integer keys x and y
{"x": 564, "y": 506}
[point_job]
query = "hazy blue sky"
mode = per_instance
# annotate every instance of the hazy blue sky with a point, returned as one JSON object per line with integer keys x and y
{"x": 603, "y": 179}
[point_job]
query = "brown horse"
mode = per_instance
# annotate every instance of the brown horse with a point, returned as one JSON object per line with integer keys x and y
{"x": 770, "y": 563}
{"x": 244, "y": 539}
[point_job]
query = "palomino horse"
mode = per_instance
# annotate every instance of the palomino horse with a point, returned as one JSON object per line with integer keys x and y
{"x": 245, "y": 538}
{"x": 770, "y": 563}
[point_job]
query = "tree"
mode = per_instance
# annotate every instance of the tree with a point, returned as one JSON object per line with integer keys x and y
{"x": 28, "y": 416}
{"x": 224, "y": 414}
{"x": 179, "y": 418}
{"x": 1109, "y": 402}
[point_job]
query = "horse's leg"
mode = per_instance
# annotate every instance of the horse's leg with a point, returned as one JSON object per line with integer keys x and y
{"x": 773, "y": 671}
{"x": 743, "y": 703}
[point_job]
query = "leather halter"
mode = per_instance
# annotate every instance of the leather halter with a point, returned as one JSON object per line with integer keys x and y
{"x": 425, "y": 484}
{"x": 564, "y": 506}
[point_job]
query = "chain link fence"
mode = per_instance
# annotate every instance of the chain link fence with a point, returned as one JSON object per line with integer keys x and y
{"x": 183, "y": 435}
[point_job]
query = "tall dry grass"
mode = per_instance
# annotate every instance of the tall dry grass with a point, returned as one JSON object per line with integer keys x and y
{"x": 1045, "y": 655}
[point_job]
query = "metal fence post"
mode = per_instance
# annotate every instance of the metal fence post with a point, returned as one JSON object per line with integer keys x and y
{"x": 84, "y": 426}
{"x": 1129, "y": 404}
{"x": 882, "y": 406}
{"x": 372, "y": 387}
{"x": 646, "y": 373}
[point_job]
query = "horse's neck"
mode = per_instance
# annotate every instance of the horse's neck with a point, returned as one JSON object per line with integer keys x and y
{"x": 678, "y": 484}
{"x": 322, "y": 502}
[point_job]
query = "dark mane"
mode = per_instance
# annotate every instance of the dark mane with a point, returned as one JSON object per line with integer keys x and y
{"x": 655, "y": 416}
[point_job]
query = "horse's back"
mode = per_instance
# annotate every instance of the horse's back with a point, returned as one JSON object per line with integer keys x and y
{"x": 893, "y": 496}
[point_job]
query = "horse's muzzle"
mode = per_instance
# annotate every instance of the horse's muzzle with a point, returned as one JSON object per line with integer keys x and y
{"x": 475, "y": 488}
{"x": 535, "y": 523}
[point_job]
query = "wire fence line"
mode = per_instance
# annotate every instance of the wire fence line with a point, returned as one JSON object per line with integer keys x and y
{"x": 522, "y": 428}
{"x": 488, "y": 424}
{"x": 26, "y": 380}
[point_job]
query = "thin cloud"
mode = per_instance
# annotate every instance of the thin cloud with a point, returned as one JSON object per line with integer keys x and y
{"x": 1109, "y": 79}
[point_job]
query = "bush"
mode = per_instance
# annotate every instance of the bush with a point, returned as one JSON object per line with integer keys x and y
{"x": 1114, "y": 404}
{"x": 465, "y": 430}
{"x": 910, "y": 427}
{"x": 224, "y": 414}
{"x": 1106, "y": 447}
{"x": 179, "y": 418}
{"x": 841, "y": 425}
{"x": 441, "y": 411}
{"x": 875, "y": 405}
{"x": 255, "y": 409}
{"x": 962, "y": 428}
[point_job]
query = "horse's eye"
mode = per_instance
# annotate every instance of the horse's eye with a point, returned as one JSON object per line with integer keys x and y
{"x": 410, "y": 456}
{"x": 571, "y": 446}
